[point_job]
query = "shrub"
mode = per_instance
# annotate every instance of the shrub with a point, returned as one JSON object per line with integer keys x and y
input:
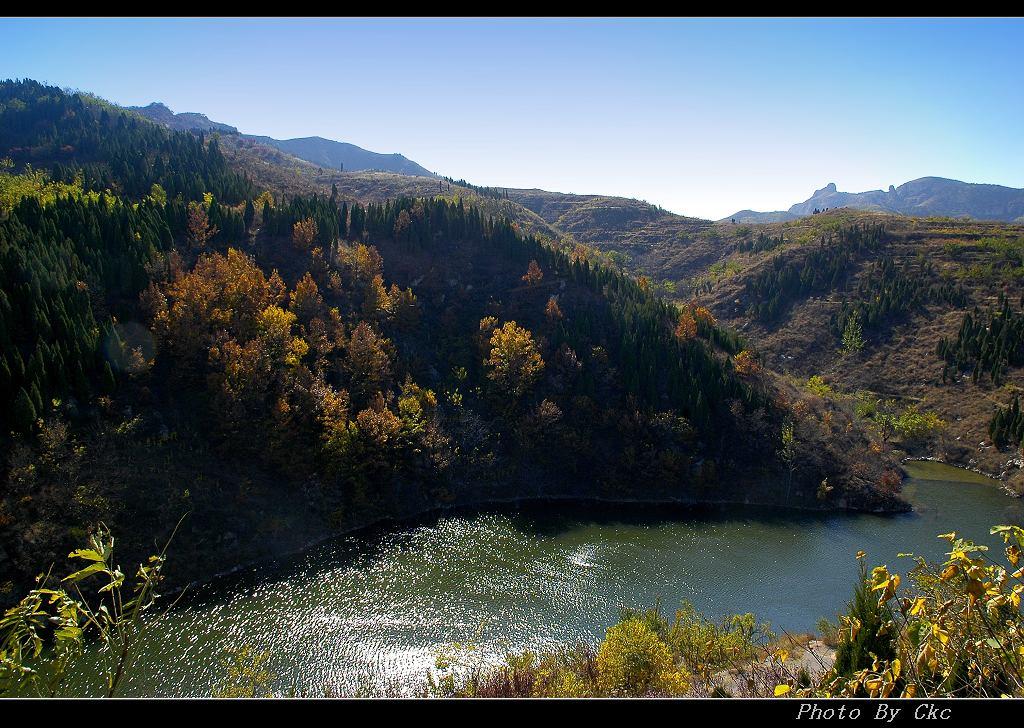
{"x": 633, "y": 661}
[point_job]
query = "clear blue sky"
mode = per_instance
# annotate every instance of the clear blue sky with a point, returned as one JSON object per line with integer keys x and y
{"x": 704, "y": 117}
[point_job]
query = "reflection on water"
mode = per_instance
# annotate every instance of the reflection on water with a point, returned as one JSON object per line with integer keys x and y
{"x": 931, "y": 470}
{"x": 373, "y": 609}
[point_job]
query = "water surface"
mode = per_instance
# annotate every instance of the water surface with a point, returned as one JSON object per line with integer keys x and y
{"x": 373, "y": 609}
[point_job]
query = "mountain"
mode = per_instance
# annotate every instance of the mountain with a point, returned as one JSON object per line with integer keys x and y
{"x": 316, "y": 150}
{"x": 344, "y": 156}
{"x": 754, "y": 217}
{"x": 924, "y": 197}
{"x": 185, "y": 121}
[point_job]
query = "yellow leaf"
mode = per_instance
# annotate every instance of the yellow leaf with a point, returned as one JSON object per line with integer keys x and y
{"x": 781, "y": 690}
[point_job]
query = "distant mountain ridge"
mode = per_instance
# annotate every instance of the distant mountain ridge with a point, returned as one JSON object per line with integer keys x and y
{"x": 316, "y": 150}
{"x": 924, "y": 197}
{"x": 344, "y": 156}
{"x": 185, "y": 121}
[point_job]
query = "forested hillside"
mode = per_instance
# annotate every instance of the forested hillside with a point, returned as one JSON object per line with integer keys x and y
{"x": 179, "y": 338}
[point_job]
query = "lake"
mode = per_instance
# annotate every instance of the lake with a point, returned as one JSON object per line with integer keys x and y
{"x": 372, "y": 609}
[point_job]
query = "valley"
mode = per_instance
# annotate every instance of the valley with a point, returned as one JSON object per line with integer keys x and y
{"x": 548, "y": 405}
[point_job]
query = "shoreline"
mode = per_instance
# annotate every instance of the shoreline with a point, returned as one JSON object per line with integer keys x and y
{"x": 484, "y": 504}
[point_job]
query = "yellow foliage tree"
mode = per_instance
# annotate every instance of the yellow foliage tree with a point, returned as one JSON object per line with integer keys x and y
{"x": 515, "y": 363}
{"x": 304, "y": 233}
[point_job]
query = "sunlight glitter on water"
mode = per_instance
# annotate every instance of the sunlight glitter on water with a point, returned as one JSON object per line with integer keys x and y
{"x": 372, "y": 612}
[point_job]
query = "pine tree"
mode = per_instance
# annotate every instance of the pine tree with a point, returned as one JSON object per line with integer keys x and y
{"x": 24, "y": 412}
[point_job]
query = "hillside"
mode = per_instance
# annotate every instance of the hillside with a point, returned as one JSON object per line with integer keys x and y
{"x": 685, "y": 257}
{"x": 793, "y": 287}
{"x": 178, "y": 339}
{"x": 924, "y": 197}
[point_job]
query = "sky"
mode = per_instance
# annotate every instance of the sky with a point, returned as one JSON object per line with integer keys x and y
{"x": 703, "y": 117}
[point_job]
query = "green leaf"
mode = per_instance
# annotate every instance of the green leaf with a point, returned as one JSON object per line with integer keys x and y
{"x": 87, "y": 571}
{"x": 87, "y": 554}
{"x": 68, "y": 633}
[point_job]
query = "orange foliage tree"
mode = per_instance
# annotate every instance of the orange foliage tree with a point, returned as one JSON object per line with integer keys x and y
{"x": 534, "y": 274}
{"x": 553, "y": 312}
{"x": 746, "y": 364}
{"x": 686, "y": 329}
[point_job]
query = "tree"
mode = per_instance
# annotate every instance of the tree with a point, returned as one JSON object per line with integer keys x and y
{"x": 861, "y": 645}
{"x": 788, "y": 452}
{"x": 686, "y": 329}
{"x": 853, "y": 336}
{"x": 306, "y": 301}
{"x": 514, "y": 361}
{"x": 704, "y": 315}
{"x": 24, "y": 412}
{"x": 249, "y": 215}
{"x": 200, "y": 231}
{"x": 402, "y": 223}
{"x": 158, "y": 194}
{"x": 746, "y": 364}
{"x": 304, "y": 233}
{"x": 553, "y": 312}
{"x": 533, "y": 274}
{"x": 368, "y": 363}
{"x": 248, "y": 674}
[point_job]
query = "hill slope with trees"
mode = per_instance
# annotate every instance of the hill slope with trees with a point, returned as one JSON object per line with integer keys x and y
{"x": 179, "y": 338}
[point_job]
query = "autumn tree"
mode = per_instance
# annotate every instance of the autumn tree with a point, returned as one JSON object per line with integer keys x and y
{"x": 686, "y": 329}
{"x": 200, "y": 231}
{"x": 633, "y": 661}
{"x": 553, "y": 311}
{"x": 222, "y": 292}
{"x": 368, "y": 362}
{"x": 514, "y": 363}
{"x": 304, "y": 233}
{"x": 402, "y": 224}
{"x": 703, "y": 315}
{"x": 276, "y": 330}
{"x": 306, "y": 301}
{"x": 403, "y": 308}
{"x": 533, "y": 274}
{"x": 746, "y": 364}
